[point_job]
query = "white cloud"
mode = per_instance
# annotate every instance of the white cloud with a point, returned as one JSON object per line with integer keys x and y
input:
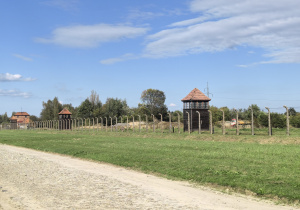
{"x": 119, "y": 59}
{"x": 7, "y": 77}
{"x": 172, "y": 105}
{"x": 14, "y": 93}
{"x": 24, "y": 58}
{"x": 88, "y": 36}
{"x": 272, "y": 25}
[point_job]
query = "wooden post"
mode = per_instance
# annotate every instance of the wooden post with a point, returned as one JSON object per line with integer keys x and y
{"x": 287, "y": 121}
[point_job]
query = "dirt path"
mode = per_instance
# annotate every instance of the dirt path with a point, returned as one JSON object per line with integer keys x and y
{"x": 36, "y": 180}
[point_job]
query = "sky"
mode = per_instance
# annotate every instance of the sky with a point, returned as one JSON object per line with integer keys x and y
{"x": 245, "y": 52}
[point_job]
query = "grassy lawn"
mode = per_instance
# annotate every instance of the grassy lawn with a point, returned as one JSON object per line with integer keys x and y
{"x": 266, "y": 166}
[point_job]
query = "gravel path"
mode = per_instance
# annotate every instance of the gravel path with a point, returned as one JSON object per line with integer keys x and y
{"x": 36, "y": 180}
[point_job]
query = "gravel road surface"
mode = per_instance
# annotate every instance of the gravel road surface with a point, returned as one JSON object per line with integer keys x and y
{"x": 31, "y": 179}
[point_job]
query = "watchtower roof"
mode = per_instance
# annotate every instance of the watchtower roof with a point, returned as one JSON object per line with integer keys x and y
{"x": 65, "y": 111}
{"x": 196, "y": 95}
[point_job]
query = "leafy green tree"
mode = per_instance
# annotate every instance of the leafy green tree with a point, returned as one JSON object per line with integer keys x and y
{"x": 154, "y": 100}
{"x": 51, "y": 109}
{"x": 114, "y": 107}
{"x": 295, "y": 120}
{"x": 4, "y": 118}
{"x": 278, "y": 120}
{"x": 85, "y": 110}
{"x": 263, "y": 119}
{"x": 292, "y": 112}
{"x": 34, "y": 118}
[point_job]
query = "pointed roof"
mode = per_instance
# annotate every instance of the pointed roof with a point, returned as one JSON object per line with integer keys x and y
{"x": 196, "y": 95}
{"x": 65, "y": 111}
{"x": 21, "y": 114}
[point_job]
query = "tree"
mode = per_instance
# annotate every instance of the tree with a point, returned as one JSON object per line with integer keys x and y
{"x": 34, "y": 118}
{"x": 154, "y": 100}
{"x": 278, "y": 120}
{"x": 292, "y": 112}
{"x": 4, "y": 118}
{"x": 295, "y": 120}
{"x": 85, "y": 110}
{"x": 114, "y": 107}
{"x": 51, "y": 109}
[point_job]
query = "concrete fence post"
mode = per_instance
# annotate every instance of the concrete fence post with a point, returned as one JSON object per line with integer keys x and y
{"x": 223, "y": 122}
{"x": 161, "y": 124}
{"x": 287, "y": 121}
{"x": 146, "y": 123}
{"x": 178, "y": 122}
{"x": 189, "y": 128}
{"x": 269, "y": 121}
{"x": 252, "y": 121}
{"x": 153, "y": 123}
{"x": 199, "y": 122}
{"x": 210, "y": 122}
{"x": 170, "y": 122}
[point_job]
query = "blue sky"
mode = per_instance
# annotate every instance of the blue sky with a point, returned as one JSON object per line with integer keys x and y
{"x": 247, "y": 51}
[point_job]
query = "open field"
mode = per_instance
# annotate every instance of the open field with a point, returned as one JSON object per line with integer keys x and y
{"x": 258, "y": 165}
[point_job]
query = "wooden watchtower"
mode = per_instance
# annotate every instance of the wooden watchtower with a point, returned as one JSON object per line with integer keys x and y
{"x": 65, "y": 119}
{"x": 193, "y": 102}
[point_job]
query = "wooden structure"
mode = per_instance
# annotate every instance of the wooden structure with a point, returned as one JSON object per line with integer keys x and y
{"x": 193, "y": 102}
{"x": 65, "y": 119}
{"x": 20, "y": 120}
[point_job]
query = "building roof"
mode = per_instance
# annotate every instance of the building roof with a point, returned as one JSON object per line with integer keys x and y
{"x": 65, "y": 111}
{"x": 196, "y": 95}
{"x": 21, "y": 114}
{"x": 22, "y": 119}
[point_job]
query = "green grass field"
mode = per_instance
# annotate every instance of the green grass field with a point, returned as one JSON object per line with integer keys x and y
{"x": 260, "y": 165}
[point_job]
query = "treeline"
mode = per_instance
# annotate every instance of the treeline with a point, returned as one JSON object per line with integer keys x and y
{"x": 4, "y": 118}
{"x": 278, "y": 120}
{"x": 152, "y": 102}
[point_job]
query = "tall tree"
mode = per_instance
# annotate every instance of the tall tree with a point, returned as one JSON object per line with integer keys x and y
{"x": 155, "y": 102}
{"x": 85, "y": 110}
{"x": 51, "y": 109}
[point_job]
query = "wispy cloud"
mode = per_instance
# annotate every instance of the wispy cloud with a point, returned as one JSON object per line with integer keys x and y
{"x": 24, "y": 58}
{"x": 63, "y": 4}
{"x": 125, "y": 57}
{"x": 172, "y": 105}
{"x": 89, "y": 36}
{"x": 14, "y": 93}
{"x": 7, "y": 77}
{"x": 220, "y": 25}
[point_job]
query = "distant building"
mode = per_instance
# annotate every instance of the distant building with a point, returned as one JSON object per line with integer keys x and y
{"x": 193, "y": 102}
{"x": 65, "y": 119}
{"x": 20, "y": 120}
